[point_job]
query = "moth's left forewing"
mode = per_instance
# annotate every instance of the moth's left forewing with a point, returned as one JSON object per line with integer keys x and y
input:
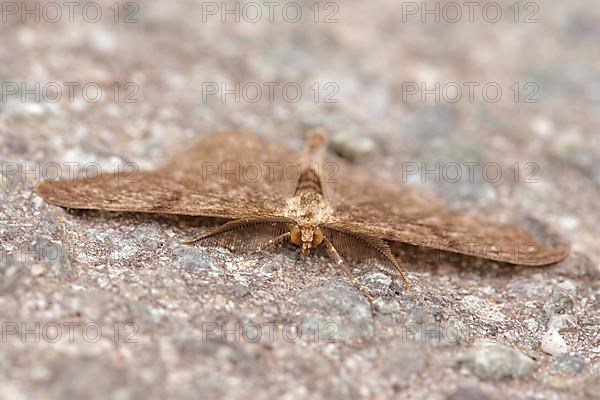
{"x": 398, "y": 212}
{"x": 477, "y": 236}
{"x": 363, "y": 197}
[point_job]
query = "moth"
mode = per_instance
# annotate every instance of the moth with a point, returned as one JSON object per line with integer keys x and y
{"x": 353, "y": 216}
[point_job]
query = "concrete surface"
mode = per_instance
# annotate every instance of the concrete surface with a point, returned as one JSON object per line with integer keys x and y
{"x": 98, "y": 305}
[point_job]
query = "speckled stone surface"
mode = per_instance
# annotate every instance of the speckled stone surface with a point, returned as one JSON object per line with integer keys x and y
{"x": 101, "y": 305}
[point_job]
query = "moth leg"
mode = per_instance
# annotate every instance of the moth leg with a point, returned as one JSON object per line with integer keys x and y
{"x": 273, "y": 242}
{"x": 333, "y": 253}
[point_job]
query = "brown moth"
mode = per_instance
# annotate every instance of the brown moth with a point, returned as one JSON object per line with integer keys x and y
{"x": 352, "y": 216}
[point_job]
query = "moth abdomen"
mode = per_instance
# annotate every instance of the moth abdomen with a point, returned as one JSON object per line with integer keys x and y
{"x": 309, "y": 181}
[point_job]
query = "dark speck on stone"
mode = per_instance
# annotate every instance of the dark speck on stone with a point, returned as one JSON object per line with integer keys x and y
{"x": 559, "y": 302}
{"x": 386, "y": 306}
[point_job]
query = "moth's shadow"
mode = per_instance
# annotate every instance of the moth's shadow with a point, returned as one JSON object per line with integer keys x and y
{"x": 413, "y": 258}
{"x": 187, "y": 224}
{"x": 440, "y": 262}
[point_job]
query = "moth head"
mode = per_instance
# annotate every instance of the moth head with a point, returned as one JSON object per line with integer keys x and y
{"x": 307, "y": 237}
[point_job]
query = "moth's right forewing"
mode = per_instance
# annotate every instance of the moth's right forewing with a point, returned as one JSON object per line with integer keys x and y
{"x": 154, "y": 193}
{"x": 238, "y": 156}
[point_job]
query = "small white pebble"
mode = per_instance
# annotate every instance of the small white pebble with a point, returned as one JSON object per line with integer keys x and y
{"x": 553, "y": 343}
{"x": 542, "y": 126}
{"x": 169, "y": 233}
{"x": 569, "y": 222}
{"x": 34, "y": 109}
